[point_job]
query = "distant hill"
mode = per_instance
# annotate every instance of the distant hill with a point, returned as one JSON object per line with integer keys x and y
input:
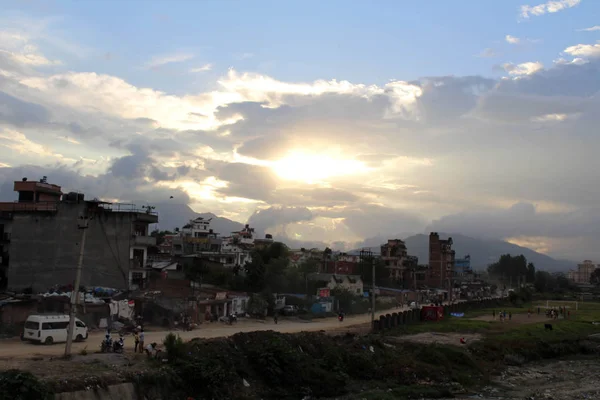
{"x": 171, "y": 216}
{"x": 483, "y": 251}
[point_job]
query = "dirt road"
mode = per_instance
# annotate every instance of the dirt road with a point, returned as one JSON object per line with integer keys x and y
{"x": 15, "y": 348}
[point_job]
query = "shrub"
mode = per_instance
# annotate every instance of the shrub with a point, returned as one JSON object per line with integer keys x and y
{"x": 21, "y": 385}
{"x": 175, "y": 347}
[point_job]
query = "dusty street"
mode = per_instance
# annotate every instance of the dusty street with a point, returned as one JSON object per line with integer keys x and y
{"x": 14, "y": 348}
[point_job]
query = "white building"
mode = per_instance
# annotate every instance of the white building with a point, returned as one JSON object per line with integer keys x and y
{"x": 352, "y": 283}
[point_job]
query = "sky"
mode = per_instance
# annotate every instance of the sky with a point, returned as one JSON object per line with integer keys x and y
{"x": 328, "y": 122}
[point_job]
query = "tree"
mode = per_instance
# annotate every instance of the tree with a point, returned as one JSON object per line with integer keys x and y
{"x": 195, "y": 269}
{"x": 530, "y": 276}
{"x": 510, "y": 269}
{"x": 160, "y": 236}
{"x": 366, "y": 271}
{"x": 595, "y": 277}
{"x": 255, "y": 273}
{"x": 544, "y": 281}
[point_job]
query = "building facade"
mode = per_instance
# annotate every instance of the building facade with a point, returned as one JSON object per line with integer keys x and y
{"x": 45, "y": 239}
{"x": 441, "y": 262}
{"x": 393, "y": 255}
{"x": 462, "y": 268}
{"x": 582, "y": 274}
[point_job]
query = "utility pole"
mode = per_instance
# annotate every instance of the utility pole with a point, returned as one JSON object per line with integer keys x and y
{"x": 363, "y": 255}
{"x": 373, "y": 296}
{"x": 82, "y": 224}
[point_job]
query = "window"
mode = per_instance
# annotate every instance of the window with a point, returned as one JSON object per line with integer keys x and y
{"x": 32, "y": 325}
{"x": 55, "y": 325}
{"x": 79, "y": 324}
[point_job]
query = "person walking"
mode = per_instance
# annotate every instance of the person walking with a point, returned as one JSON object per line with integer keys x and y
{"x": 494, "y": 314}
{"x": 136, "y": 340}
{"x": 141, "y": 336}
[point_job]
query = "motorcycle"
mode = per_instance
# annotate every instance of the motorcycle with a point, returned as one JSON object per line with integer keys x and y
{"x": 118, "y": 346}
{"x": 341, "y": 317}
{"x": 106, "y": 346}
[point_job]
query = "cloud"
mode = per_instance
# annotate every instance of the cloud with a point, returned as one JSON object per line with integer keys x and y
{"x": 204, "y": 68}
{"x": 243, "y": 56}
{"x": 550, "y": 7}
{"x": 584, "y": 50}
{"x": 272, "y": 217}
{"x": 590, "y": 29}
{"x": 487, "y": 53}
{"x": 519, "y": 41}
{"x": 527, "y": 68}
{"x": 323, "y": 161}
{"x": 159, "y": 61}
{"x": 20, "y": 49}
{"x": 512, "y": 40}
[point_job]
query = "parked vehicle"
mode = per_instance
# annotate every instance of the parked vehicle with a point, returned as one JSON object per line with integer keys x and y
{"x": 107, "y": 344}
{"x": 289, "y": 310}
{"x": 52, "y": 328}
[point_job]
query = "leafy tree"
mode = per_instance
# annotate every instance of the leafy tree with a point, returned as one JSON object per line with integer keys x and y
{"x": 366, "y": 271}
{"x": 543, "y": 281}
{"x": 160, "y": 236}
{"x": 255, "y": 273}
{"x": 257, "y": 305}
{"x": 509, "y": 268}
{"x": 195, "y": 268}
{"x": 530, "y": 276}
{"x": 595, "y": 277}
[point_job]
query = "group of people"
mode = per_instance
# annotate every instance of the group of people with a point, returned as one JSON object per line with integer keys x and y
{"x": 138, "y": 339}
{"x": 502, "y": 315}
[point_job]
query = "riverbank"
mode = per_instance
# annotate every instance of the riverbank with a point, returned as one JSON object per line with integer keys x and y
{"x": 420, "y": 360}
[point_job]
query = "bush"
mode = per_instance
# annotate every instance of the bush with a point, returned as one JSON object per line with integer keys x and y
{"x": 21, "y": 385}
{"x": 175, "y": 347}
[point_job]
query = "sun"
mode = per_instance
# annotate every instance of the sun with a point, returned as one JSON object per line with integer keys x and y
{"x": 311, "y": 168}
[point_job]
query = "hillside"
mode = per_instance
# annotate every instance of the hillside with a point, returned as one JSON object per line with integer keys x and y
{"x": 483, "y": 251}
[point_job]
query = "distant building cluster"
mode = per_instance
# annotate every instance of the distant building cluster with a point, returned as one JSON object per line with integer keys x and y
{"x": 41, "y": 240}
{"x": 581, "y": 275}
{"x": 40, "y": 243}
{"x": 443, "y": 272}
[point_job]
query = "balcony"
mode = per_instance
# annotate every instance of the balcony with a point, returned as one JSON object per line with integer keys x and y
{"x": 144, "y": 241}
{"x": 8, "y": 207}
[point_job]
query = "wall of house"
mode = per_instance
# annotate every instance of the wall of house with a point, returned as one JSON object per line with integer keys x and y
{"x": 45, "y": 248}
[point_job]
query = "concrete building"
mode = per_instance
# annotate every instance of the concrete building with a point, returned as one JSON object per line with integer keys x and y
{"x": 197, "y": 237}
{"x": 582, "y": 274}
{"x": 393, "y": 255}
{"x": 45, "y": 239}
{"x": 462, "y": 269}
{"x": 441, "y": 262}
{"x": 352, "y": 283}
{"x": 5, "y": 231}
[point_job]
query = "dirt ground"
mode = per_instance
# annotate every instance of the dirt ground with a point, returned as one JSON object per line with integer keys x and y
{"x": 14, "y": 348}
{"x": 439, "y": 338}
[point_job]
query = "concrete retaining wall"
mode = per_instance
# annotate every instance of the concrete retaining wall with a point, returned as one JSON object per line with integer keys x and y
{"x": 123, "y": 391}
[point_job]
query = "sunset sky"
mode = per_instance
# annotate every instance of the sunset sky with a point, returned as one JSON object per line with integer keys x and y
{"x": 320, "y": 121}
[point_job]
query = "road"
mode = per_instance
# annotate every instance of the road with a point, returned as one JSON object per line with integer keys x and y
{"x": 15, "y": 348}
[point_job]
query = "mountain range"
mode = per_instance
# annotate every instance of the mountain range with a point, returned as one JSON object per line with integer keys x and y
{"x": 482, "y": 251}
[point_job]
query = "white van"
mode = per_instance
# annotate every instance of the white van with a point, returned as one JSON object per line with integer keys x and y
{"x": 52, "y": 328}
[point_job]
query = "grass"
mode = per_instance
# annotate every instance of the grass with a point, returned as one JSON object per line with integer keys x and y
{"x": 447, "y": 325}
